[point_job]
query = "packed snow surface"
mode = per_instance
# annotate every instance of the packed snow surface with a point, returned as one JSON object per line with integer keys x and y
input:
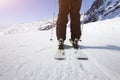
{"x": 30, "y": 55}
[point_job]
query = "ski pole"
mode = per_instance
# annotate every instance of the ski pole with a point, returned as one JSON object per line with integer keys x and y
{"x": 85, "y": 9}
{"x": 53, "y": 24}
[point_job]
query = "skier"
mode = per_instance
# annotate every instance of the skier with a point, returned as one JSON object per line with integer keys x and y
{"x": 67, "y": 7}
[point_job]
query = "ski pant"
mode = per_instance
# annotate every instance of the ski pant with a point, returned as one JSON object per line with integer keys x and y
{"x": 72, "y": 8}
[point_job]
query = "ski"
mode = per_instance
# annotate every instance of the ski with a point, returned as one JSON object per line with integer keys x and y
{"x": 80, "y": 55}
{"x": 60, "y": 55}
{"x": 77, "y": 50}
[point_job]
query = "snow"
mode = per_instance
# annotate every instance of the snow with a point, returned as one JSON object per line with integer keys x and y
{"x": 30, "y": 55}
{"x": 44, "y": 24}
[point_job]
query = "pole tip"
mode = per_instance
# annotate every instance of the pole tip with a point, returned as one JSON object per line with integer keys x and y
{"x": 51, "y": 39}
{"x": 80, "y": 40}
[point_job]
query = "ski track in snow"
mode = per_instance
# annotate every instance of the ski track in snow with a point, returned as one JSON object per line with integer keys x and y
{"x": 74, "y": 69}
{"x": 33, "y": 67}
{"x": 27, "y": 56}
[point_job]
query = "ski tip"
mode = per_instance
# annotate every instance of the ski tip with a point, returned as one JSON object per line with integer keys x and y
{"x": 82, "y": 58}
{"x": 59, "y": 58}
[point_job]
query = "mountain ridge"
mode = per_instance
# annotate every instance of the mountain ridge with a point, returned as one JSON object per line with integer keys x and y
{"x": 102, "y": 9}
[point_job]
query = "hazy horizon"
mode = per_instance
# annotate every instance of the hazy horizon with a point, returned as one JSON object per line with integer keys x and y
{"x": 21, "y": 11}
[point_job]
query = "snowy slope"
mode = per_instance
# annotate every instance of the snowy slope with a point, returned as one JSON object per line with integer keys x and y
{"x": 29, "y": 55}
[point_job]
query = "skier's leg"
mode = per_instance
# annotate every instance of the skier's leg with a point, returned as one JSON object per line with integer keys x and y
{"x": 75, "y": 19}
{"x": 62, "y": 19}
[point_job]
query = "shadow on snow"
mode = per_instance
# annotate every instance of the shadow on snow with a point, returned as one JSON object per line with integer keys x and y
{"x": 107, "y": 47}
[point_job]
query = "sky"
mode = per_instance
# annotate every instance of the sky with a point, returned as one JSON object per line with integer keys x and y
{"x": 22, "y": 11}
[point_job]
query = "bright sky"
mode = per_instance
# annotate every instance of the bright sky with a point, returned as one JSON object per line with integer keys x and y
{"x": 20, "y": 11}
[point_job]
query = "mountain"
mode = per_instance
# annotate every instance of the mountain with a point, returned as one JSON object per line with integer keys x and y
{"x": 102, "y": 9}
{"x": 44, "y": 24}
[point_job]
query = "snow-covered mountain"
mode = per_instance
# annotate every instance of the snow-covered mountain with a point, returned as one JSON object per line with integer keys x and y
{"x": 103, "y": 9}
{"x": 44, "y": 24}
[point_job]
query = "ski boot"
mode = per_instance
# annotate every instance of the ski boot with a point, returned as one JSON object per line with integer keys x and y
{"x": 74, "y": 43}
{"x": 60, "y": 55}
{"x": 61, "y": 44}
